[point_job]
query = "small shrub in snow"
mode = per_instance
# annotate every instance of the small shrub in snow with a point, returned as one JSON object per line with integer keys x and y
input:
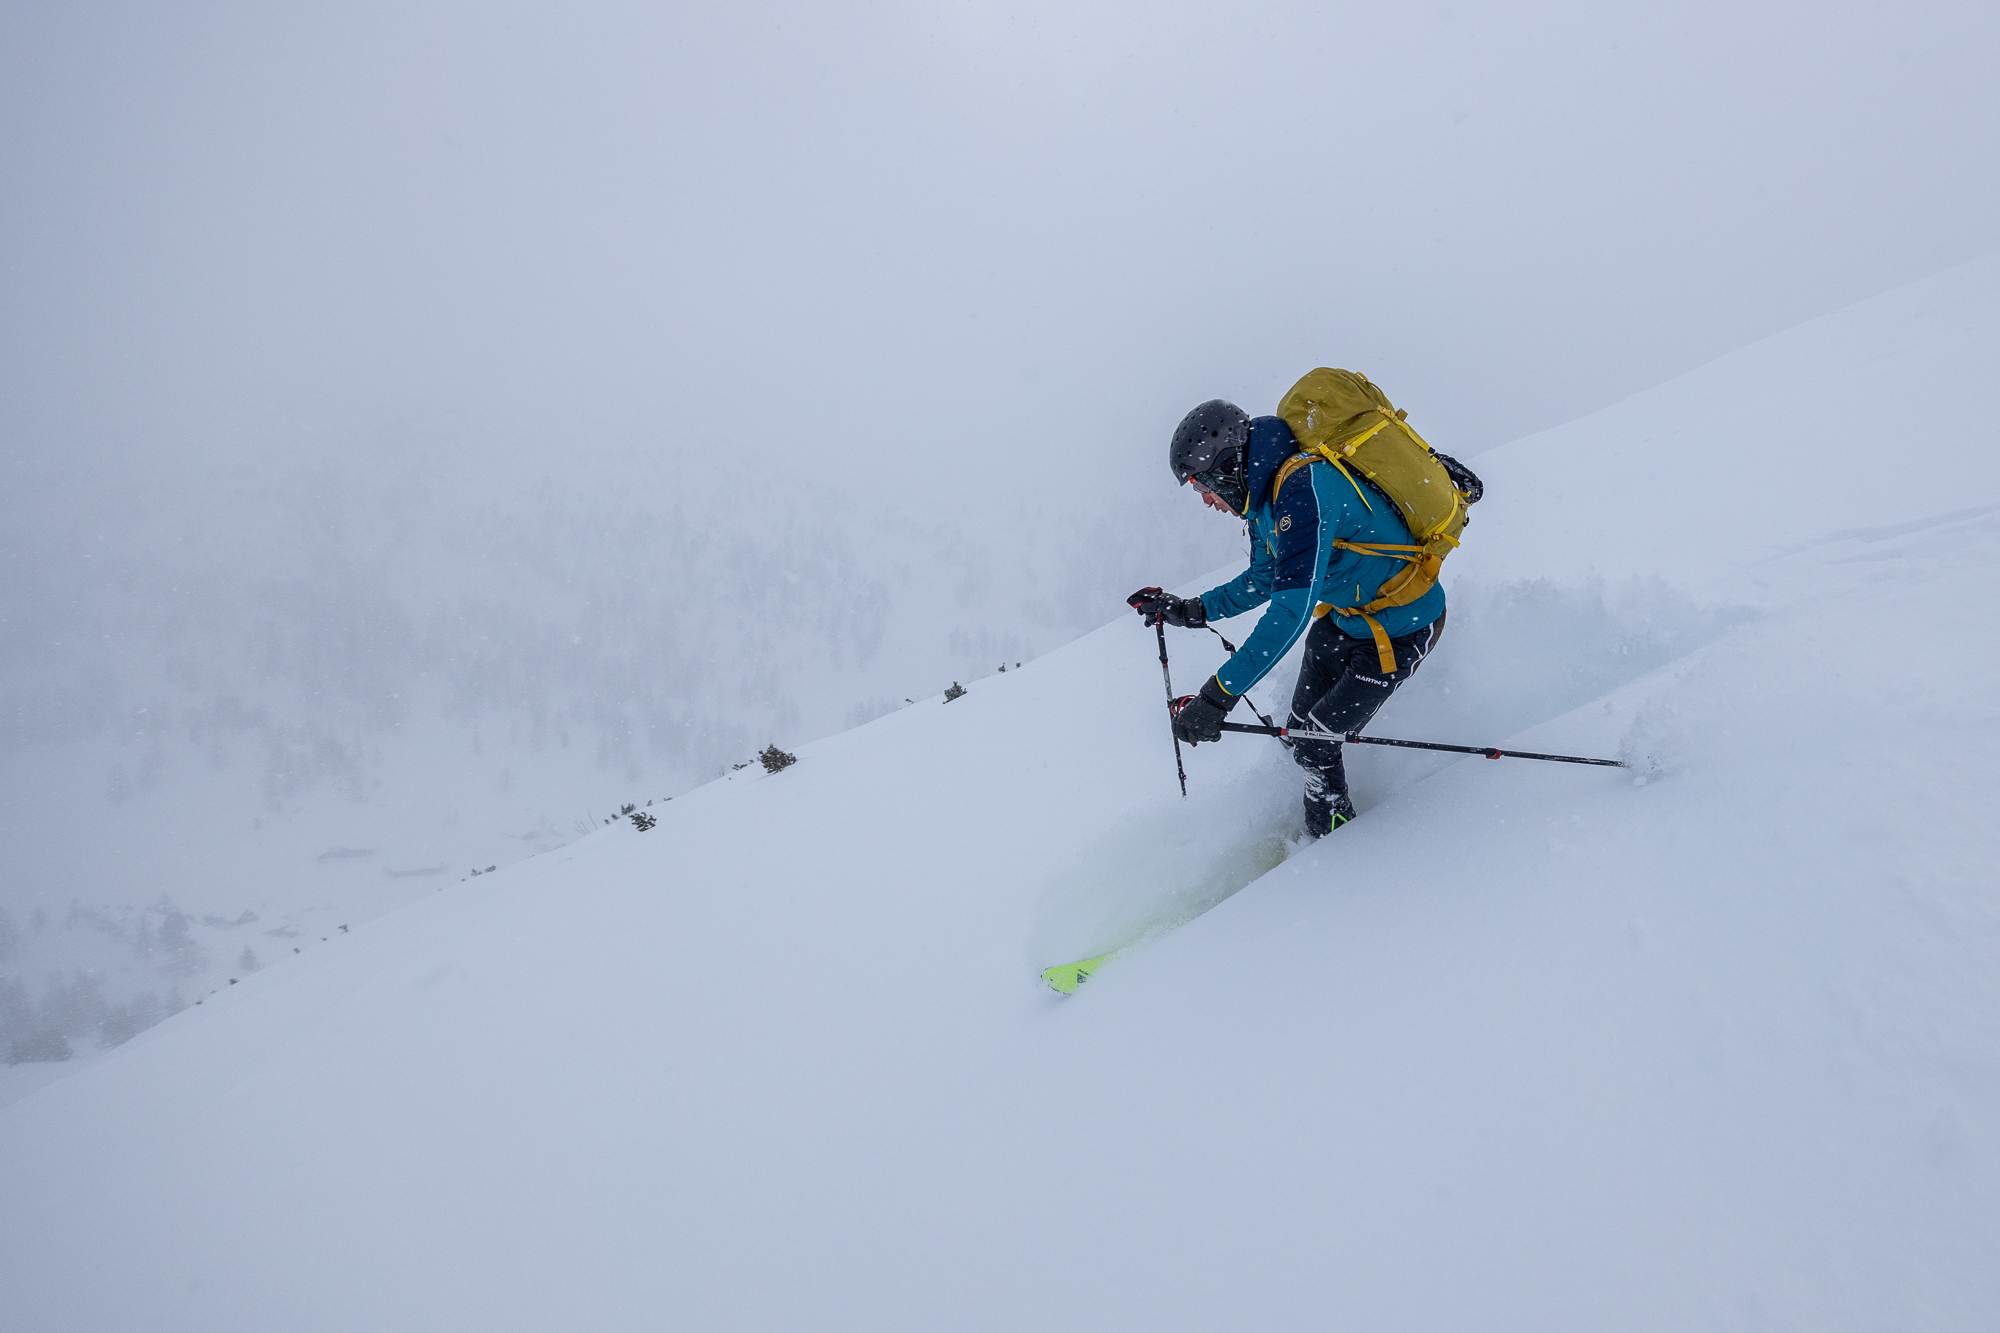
{"x": 955, "y": 692}
{"x": 775, "y": 759}
{"x": 642, "y": 821}
{"x": 247, "y": 961}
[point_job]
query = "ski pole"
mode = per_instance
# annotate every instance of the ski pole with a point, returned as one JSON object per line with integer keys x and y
{"x": 1356, "y": 738}
{"x": 1167, "y": 676}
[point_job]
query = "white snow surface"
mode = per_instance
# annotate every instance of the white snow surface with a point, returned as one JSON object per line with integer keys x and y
{"x": 1712, "y": 1042}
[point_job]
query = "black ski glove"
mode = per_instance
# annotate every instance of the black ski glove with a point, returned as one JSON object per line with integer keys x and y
{"x": 1198, "y": 717}
{"x": 1153, "y": 606}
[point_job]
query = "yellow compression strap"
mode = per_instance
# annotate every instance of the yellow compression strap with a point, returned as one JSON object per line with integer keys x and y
{"x": 1348, "y": 449}
{"x": 1352, "y": 482}
{"x": 1405, "y": 553}
{"x": 1411, "y": 431}
{"x": 1385, "y": 652}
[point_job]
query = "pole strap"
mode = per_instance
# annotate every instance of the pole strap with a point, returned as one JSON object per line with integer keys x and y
{"x": 1275, "y": 729}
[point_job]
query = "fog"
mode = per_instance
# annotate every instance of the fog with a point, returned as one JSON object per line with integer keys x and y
{"x": 430, "y": 426}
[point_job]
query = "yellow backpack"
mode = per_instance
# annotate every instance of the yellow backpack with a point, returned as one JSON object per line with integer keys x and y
{"x": 1342, "y": 419}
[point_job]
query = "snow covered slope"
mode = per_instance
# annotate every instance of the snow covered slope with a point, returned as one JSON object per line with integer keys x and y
{"x": 1711, "y": 1043}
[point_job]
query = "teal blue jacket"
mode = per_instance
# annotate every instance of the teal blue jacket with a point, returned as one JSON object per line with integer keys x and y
{"x": 1295, "y": 567}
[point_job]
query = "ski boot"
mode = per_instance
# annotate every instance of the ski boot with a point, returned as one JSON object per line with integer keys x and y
{"x": 1325, "y": 810}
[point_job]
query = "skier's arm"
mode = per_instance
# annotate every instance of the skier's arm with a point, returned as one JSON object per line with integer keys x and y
{"x": 1302, "y": 537}
{"x": 1246, "y": 592}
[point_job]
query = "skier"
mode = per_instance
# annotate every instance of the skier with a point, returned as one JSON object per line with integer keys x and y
{"x": 1314, "y": 586}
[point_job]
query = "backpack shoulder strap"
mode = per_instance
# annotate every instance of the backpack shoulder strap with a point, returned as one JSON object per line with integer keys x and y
{"x": 1285, "y": 471}
{"x": 1299, "y": 461}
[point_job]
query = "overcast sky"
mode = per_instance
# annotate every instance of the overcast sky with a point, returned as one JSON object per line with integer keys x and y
{"x": 887, "y": 232}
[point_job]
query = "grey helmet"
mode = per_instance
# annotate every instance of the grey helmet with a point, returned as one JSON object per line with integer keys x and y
{"x": 1212, "y": 448}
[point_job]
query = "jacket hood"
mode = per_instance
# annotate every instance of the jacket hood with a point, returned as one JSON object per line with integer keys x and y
{"x": 1271, "y": 443}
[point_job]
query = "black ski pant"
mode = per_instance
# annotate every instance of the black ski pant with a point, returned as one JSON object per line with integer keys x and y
{"x": 1341, "y": 685}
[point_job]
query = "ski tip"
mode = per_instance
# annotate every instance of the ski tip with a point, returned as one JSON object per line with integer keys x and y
{"x": 1069, "y": 976}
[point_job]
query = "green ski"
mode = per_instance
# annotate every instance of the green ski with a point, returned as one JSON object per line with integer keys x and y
{"x": 1071, "y": 975}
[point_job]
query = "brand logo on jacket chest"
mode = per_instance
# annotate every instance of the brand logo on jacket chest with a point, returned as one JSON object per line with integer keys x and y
{"x": 1285, "y": 523}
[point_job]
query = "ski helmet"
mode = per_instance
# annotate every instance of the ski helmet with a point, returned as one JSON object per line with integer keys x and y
{"x": 1211, "y": 447}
